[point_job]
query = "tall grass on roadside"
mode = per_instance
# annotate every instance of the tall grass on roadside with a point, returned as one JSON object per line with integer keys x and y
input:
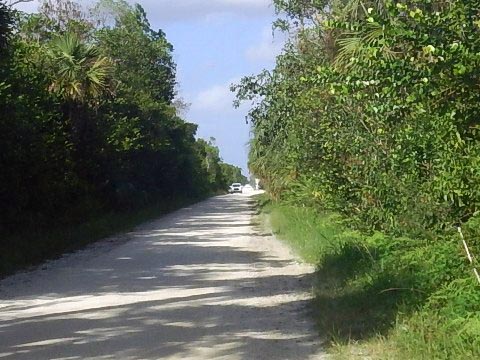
{"x": 381, "y": 296}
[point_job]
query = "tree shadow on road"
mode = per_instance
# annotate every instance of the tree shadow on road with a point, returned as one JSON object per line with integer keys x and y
{"x": 176, "y": 290}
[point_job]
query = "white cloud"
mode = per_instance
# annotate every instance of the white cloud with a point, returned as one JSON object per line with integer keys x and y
{"x": 213, "y": 99}
{"x": 173, "y": 10}
{"x": 267, "y": 49}
{"x": 217, "y": 99}
{"x": 187, "y": 9}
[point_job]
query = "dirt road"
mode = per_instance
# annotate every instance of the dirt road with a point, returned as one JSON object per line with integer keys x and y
{"x": 200, "y": 283}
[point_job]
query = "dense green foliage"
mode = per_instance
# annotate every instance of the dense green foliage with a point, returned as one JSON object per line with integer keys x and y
{"x": 233, "y": 174}
{"x": 5, "y": 23}
{"x": 88, "y": 122}
{"x": 372, "y": 112}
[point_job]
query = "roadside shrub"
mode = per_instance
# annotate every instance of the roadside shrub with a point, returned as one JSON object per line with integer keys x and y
{"x": 404, "y": 298}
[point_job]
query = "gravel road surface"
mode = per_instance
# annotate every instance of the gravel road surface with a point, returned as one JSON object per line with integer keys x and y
{"x": 200, "y": 283}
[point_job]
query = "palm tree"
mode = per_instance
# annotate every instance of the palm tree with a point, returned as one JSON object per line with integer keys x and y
{"x": 80, "y": 75}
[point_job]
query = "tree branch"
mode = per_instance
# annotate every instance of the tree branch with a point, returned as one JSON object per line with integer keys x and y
{"x": 15, "y": 2}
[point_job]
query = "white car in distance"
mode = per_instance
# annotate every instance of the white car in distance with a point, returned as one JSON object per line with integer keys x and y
{"x": 247, "y": 188}
{"x": 236, "y": 188}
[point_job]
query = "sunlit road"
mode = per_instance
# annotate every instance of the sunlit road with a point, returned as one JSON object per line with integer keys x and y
{"x": 200, "y": 283}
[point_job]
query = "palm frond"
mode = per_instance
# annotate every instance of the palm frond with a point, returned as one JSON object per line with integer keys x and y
{"x": 79, "y": 72}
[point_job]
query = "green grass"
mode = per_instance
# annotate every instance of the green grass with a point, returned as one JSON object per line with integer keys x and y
{"x": 383, "y": 297}
{"x": 32, "y": 246}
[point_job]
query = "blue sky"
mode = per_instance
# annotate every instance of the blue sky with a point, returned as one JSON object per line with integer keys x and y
{"x": 216, "y": 43}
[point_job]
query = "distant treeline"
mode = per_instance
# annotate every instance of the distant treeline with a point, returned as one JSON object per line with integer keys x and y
{"x": 88, "y": 117}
